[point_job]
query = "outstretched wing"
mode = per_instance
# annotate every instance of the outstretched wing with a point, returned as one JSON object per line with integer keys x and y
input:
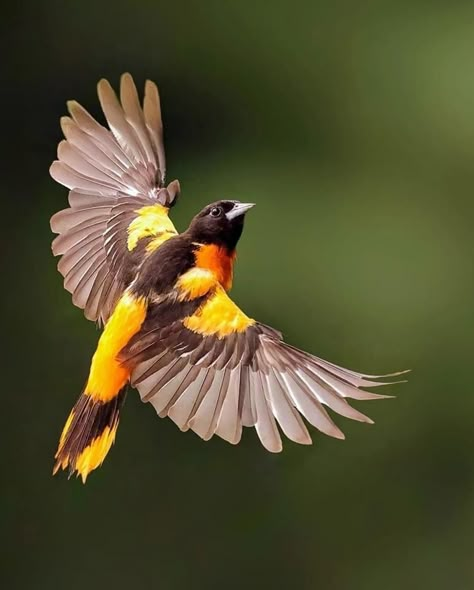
{"x": 118, "y": 203}
{"x": 218, "y": 370}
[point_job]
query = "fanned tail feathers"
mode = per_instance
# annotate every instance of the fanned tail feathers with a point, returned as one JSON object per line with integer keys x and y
{"x": 88, "y": 434}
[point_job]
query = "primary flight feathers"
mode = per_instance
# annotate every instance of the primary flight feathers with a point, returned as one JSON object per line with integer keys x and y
{"x": 170, "y": 327}
{"x": 111, "y": 175}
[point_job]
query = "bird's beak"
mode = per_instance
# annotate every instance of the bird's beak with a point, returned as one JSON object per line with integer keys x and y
{"x": 238, "y": 209}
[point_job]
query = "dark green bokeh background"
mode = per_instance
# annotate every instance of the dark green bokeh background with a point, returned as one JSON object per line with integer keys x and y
{"x": 351, "y": 125}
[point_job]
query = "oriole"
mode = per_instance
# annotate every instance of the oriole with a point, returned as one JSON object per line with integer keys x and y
{"x": 170, "y": 328}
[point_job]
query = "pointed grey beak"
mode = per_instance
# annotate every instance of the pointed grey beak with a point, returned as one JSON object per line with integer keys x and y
{"x": 239, "y": 209}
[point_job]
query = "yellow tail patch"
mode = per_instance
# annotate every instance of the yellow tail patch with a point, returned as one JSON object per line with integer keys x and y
{"x": 94, "y": 454}
{"x": 88, "y": 435}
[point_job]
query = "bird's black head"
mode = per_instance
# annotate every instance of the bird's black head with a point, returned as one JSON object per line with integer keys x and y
{"x": 220, "y": 223}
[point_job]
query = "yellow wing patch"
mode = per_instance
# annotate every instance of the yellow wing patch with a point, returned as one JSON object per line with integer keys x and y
{"x": 156, "y": 242}
{"x": 152, "y": 220}
{"x": 219, "y": 316}
{"x": 195, "y": 283}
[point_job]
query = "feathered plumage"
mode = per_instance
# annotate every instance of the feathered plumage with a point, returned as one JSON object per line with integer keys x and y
{"x": 170, "y": 327}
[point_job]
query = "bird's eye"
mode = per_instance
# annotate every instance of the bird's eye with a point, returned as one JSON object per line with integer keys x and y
{"x": 215, "y": 211}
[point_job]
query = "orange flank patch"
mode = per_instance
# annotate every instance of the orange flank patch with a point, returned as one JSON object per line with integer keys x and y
{"x": 219, "y": 316}
{"x": 150, "y": 221}
{"x": 107, "y": 376}
{"x": 217, "y": 260}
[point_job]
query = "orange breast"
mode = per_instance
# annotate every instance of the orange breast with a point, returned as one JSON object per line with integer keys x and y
{"x": 219, "y": 261}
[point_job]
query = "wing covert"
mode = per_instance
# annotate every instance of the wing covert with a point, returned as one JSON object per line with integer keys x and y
{"x": 118, "y": 202}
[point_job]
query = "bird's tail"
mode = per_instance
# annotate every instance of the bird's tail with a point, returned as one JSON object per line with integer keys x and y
{"x": 88, "y": 434}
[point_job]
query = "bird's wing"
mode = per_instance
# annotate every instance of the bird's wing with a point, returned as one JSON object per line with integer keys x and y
{"x": 218, "y": 370}
{"x": 118, "y": 203}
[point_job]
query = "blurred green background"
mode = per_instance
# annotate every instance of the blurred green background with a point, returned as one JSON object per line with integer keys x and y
{"x": 351, "y": 125}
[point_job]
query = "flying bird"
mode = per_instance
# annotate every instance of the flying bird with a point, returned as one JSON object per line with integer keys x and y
{"x": 170, "y": 328}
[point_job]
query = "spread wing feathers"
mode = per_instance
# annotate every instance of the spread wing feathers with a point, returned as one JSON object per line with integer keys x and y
{"x": 129, "y": 158}
{"x": 217, "y": 385}
{"x": 112, "y": 175}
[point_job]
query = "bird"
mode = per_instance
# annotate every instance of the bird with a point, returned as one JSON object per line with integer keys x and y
{"x": 170, "y": 328}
